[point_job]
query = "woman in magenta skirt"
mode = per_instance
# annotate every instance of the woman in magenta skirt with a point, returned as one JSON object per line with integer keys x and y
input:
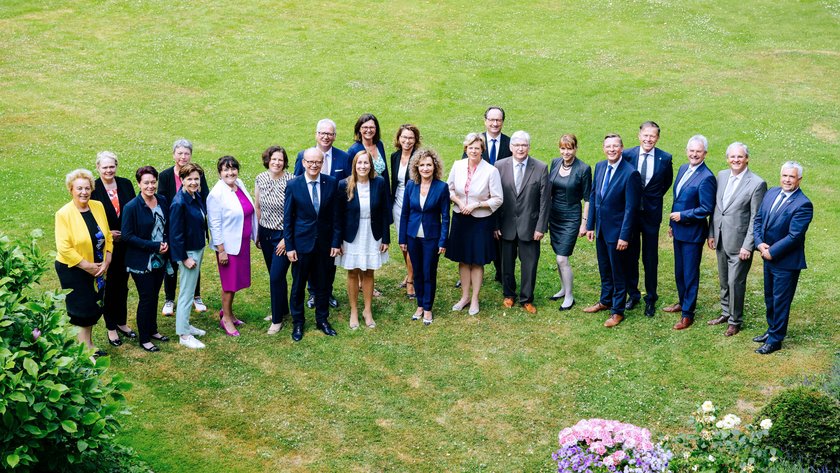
{"x": 232, "y": 222}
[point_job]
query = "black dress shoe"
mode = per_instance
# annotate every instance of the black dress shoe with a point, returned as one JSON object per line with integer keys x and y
{"x": 326, "y": 328}
{"x": 115, "y": 343}
{"x": 769, "y": 348}
{"x": 333, "y": 302}
{"x": 152, "y": 348}
{"x": 99, "y": 353}
{"x": 631, "y": 304}
{"x": 458, "y": 283}
{"x": 311, "y": 301}
{"x": 297, "y": 332}
{"x": 761, "y": 338}
{"x": 129, "y": 333}
{"x": 162, "y": 338}
{"x": 569, "y": 307}
{"x": 650, "y": 308}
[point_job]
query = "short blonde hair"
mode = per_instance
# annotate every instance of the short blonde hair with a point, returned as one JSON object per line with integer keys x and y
{"x": 80, "y": 173}
{"x": 472, "y": 138}
{"x": 106, "y": 155}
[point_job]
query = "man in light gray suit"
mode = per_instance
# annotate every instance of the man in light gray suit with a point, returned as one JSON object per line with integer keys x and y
{"x": 739, "y": 195}
{"x": 522, "y": 220}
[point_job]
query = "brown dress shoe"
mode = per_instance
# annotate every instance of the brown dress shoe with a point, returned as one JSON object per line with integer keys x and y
{"x": 508, "y": 303}
{"x": 614, "y": 320}
{"x": 529, "y": 308}
{"x": 598, "y": 307}
{"x": 719, "y": 320}
{"x": 683, "y": 324}
{"x": 732, "y": 330}
{"x": 673, "y": 308}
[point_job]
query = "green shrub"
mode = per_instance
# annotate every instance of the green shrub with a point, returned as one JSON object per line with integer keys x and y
{"x": 55, "y": 406}
{"x": 806, "y": 423}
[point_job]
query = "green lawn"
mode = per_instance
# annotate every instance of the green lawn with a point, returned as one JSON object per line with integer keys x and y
{"x": 485, "y": 393}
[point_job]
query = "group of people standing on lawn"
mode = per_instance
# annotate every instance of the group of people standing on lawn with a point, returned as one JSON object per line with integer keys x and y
{"x": 336, "y": 209}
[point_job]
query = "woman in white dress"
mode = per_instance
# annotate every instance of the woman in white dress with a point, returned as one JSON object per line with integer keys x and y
{"x": 407, "y": 142}
{"x": 361, "y": 231}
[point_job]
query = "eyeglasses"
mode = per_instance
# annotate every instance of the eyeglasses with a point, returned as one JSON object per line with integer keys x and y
{"x": 326, "y": 134}
{"x": 368, "y": 128}
{"x": 312, "y": 163}
{"x": 494, "y": 120}
{"x": 519, "y": 145}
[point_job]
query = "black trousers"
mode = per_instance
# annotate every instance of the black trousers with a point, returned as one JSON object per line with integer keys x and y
{"x": 148, "y": 291}
{"x": 278, "y": 267}
{"x": 115, "y": 308}
{"x": 646, "y": 245}
{"x": 314, "y": 268}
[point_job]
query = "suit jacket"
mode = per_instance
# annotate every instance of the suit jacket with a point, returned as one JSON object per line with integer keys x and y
{"x": 125, "y": 192}
{"x": 660, "y": 181}
{"x": 358, "y": 146}
{"x": 187, "y": 225}
{"x": 613, "y": 215}
{"x": 348, "y": 213}
{"x": 137, "y": 225}
{"x": 340, "y": 164}
{"x": 434, "y": 214}
{"x": 226, "y": 217}
{"x": 695, "y": 203}
{"x": 502, "y": 151}
{"x": 396, "y": 156}
{"x": 304, "y": 229}
{"x": 732, "y": 226}
{"x": 785, "y": 230}
{"x": 523, "y": 213}
{"x": 166, "y": 185}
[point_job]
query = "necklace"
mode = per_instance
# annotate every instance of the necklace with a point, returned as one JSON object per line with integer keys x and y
{"x": 563, "y": 165}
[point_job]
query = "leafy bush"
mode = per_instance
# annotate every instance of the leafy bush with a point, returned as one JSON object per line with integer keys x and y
{"x": 806, "y": 423}
{"x": 55, "y": 406}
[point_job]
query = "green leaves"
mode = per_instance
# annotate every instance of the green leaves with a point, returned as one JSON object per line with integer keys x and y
{"x": 12, "y": 460}
{"x": 31, "y": 367}
{"x": 69, "y": 426}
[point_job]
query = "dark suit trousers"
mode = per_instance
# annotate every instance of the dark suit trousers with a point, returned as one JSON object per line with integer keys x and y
{"x": 169, "y": 283}
{"x": 645, "y": 244}
{"x": 311, "y": 267}
{"x": 732, "y": 274}
{"x": 278, "y": 267}
{"x": 115, "y": 307}
{"x": 612, "y": 266}
{"x": 529, "y": 256}
{"x": 779, "y": 287}
{"x": 687, "y": 273}
{"x": 424, "y": 262}
{"x": 148, "y": 292}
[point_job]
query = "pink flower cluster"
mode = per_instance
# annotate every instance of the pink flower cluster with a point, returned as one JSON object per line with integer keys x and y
{"x": 601, "y": 435}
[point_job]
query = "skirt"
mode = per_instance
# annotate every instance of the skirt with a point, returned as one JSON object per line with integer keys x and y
{"x": 363, "y": 252}
{"x": 236, "y": 274}
{"x": 471, "y": 240}
{"x": 84, "y": 303}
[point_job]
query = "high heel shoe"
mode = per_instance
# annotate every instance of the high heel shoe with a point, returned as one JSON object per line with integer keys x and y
{"x": 428, "y": 322}
{"x": 417, "y": 316}
{"x": 236, "y": 322}
{"x": 235, "y": 332}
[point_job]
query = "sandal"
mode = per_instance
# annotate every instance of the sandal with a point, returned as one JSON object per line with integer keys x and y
{"x": 412, "y": 294}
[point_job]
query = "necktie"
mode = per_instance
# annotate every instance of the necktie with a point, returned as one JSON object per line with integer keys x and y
{"x": 493, "y": 151}
{"x": 645, "y": 165}
{"x": 682, "y": 181}
{"x": 779, "y": 201}
{"x": 730, "y": 188}
{"x": 606, "y": 181}
{"x": 520, "y": 174}
{"x": 316, "y": 202}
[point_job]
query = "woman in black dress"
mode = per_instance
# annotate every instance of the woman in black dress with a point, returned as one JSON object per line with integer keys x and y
{"x": 571, "y": 180}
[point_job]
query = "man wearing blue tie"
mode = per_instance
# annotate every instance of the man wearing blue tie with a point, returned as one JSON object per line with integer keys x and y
{"x": 694, "y": 202}
{"x": 613, "y": 206}
{"x": 779, "y": 231}
{"x": 309, "y": 229}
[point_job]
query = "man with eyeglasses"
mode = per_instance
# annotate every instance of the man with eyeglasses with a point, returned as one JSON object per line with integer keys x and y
{"x": 337, "y": 165}
{"x": 308, "y": 231}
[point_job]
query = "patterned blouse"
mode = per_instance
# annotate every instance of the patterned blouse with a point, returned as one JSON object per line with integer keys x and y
{"x": 272, "y": 194}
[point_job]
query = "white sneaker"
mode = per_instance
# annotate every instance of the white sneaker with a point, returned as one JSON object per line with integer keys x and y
{"x": 199, "y": 305}
{"x": 168, "y": 308}
{"x": 191, "y": 342}
{"x": 196, "y": 331}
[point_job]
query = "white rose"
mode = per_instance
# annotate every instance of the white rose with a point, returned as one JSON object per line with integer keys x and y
{"x": 708, "y": 407}
{"x": 766, "y": 424}
{"x": 711, "y": 458}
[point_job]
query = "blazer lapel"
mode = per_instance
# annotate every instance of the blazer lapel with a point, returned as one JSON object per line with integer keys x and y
{"x": 745, "y": 182}
{"x": 526, "y": 176}
{"x": 783, "y": 206}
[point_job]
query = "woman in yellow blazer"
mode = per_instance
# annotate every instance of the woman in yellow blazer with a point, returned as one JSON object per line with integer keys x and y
{"x": 83, "y": 252}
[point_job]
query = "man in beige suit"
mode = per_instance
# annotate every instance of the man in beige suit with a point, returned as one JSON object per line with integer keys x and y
{"x": 522, "y": 219}
{"x": 739, "y": 195}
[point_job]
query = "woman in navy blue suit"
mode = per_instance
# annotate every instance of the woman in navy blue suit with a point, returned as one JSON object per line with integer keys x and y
{"x": 361, "y": 219}
{"x": 424, "y": 226}
{"x": 145, "y": 230}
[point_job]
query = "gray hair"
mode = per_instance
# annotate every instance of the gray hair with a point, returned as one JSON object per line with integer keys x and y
{"x": 738, "y": 144}
{"x": 325, "y": 121}
{"x": 182, "y": 143}
{"x": 106, "y": 155}
{"x": 700, "y": 139}
{"x": 794, "y": 165}
{"x": 521, "y": 136}
{"x": 80, "y": 173}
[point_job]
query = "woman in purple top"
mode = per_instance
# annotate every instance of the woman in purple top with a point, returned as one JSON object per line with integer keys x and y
{"x": 232, "y": 222}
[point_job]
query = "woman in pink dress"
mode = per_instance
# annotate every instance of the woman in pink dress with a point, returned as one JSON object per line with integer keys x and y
{"x": 232, "y": 222}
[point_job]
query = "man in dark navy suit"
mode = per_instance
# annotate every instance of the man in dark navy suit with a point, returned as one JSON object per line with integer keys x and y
{"x": 337, "y": 165}
{"x": 779, "y": 230}
{"x": 613, "y": 205}
{"x": 694, "y": 202}
{"x": 657, "y": 171}
{"x": 309, "y": 230}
